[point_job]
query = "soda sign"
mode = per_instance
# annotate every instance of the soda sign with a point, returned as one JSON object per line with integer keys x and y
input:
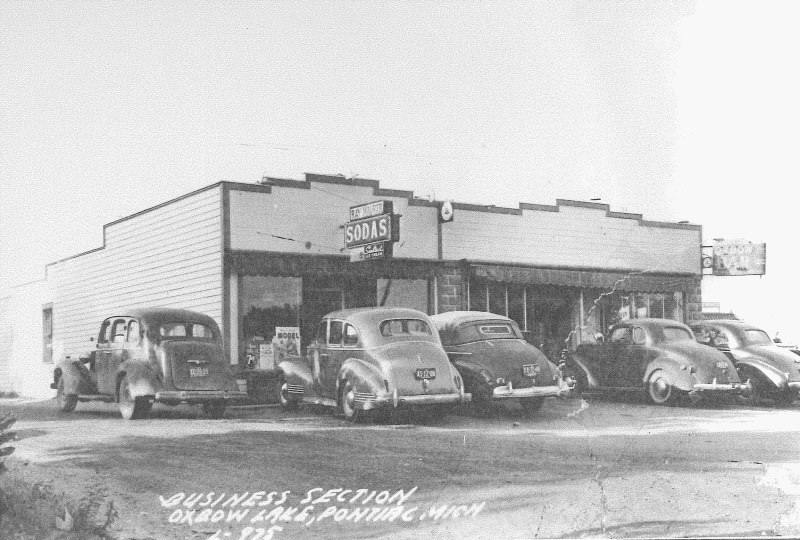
{"x": 368, "y": 231}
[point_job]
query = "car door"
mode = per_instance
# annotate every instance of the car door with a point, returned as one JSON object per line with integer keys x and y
{"x": 119, "y": 331}
{"x": 634, "y": 358}
{"x": 330, "y": 358}
{"x": 102, "y": 357}
{"x": 612, "y": 358}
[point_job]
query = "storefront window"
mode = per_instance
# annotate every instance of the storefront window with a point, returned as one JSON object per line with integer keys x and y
{"x": 516, "y": 304}
{"x": 267, "y": 303}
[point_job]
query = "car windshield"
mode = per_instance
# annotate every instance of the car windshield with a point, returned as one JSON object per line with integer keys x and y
{"x": 404, "y": 328}
{"x": 185, "y": 330}
{"x": 757, "y": 337}
{"x": 675, "y": 333}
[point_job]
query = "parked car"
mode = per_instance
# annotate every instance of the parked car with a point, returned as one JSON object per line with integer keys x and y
{"x": 143, "y": 356}
{"x": 773, "y": 371}
{"x": 495, "y": 361}
{"x": 660, "y": 356}
{"x": 373, "y": 359}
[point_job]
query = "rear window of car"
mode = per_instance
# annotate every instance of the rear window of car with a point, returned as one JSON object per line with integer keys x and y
{"x": 184, "y": 330}
{"x": 757, "y": 337}
{"x": 675, "y": 333}
{"x": 481, "y": 331}
{"x": 404, "y": 328}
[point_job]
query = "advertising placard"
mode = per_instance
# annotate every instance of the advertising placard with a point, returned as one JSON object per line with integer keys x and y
{"x": 739, "y": 258}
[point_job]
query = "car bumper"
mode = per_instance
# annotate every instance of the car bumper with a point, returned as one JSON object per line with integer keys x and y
{"x": 199, "y": 396}
{"x": 420, "y": 400}
{"x": 509, "y": 392}
{"x": 744, "y": 388}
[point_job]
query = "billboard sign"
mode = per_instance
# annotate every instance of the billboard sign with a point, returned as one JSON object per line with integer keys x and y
{"x": 739, "y": 258}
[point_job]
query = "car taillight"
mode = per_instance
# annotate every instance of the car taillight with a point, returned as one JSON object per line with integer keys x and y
{"x": 457, "y": 381}
{"x": 386, "y": 384}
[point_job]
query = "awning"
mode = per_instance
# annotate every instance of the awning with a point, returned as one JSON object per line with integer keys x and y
{"x": 585, "y": 279}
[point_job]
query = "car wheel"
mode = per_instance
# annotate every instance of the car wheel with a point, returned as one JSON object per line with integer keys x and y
{"x": 785, "y": 397}
{"x": 129, "y": 407}
{"x": 287, "y": 403}
{"x": 532, "y": 405}
{"x": 65, "y": 402}
{"x": 660, "y": 389}
{"x": 214, "y": 409}
{"x": 347, "y": 401}
{"x": 759, "y": 387}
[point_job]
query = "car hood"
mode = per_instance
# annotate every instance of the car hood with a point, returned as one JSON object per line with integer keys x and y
{"x": 785, "y": 361}
{"x": 501, "y": 358}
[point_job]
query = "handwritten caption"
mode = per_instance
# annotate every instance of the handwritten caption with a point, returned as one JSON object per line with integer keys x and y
{"x": 260, "y": 515}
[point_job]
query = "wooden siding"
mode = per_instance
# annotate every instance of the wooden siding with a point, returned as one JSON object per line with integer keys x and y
{"x": 169, "y": 256}
{"x": 317, "y": 214}
{"x": 6, "y": 344}
{"x": 572, "y": 236}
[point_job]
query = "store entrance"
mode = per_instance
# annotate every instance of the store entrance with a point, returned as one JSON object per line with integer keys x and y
{"x": 324, "y": 294}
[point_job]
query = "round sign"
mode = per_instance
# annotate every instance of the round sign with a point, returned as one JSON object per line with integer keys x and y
{"x": 446, "y": 211}
{"x": 708, "y": 261}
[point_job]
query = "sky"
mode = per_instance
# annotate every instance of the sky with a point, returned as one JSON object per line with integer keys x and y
{"x": 677, "y": 110}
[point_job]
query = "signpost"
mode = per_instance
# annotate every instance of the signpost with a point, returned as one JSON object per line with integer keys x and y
{"x": 371, "y": 231}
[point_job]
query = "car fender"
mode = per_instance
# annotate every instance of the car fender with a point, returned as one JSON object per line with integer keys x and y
{"x": 365, "y": 376}
{"x": 579, "y": 363}
{"x": 296, "y": 373}
{"x": 143, "y": 378}
{"x": 773, "y": 374}
{"x": 77, "y": 379}
{"x": 680, "y": 377}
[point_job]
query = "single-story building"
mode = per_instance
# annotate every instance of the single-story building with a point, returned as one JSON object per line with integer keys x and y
{"x": 267, "y": 260}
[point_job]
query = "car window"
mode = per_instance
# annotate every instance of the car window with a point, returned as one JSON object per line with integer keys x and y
{"x": 335, "y": 334}
{"x": 105, "y": 331}
{"x": 639, "y": 335}
{"x": 702, "y": 334}
{"x": 676, "y": 333}
{"x": 134, "y": 336}
{"x": 404, "y": 327}
{"x": 118, "y": 331}
{"x": 496, "y": 330}
{"x": 757, "y": 337}
{"x": 322, "y": 331}
{"x": 185, "y": 329}
{"x": 350, "y": 335}
{"x": 620, "y": 335}
{"x": 172, "y": 330}
{"x": 201, "y": 331}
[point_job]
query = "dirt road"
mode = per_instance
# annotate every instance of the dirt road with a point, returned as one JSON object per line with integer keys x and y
{"x": 597, "y": 468}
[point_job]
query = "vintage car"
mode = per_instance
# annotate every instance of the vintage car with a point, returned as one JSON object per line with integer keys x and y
{"x": 659, "y": 356}
{"x": 373, "y": 359}
{"x": 773, "y": 371}
{"x": 495, "y": 361}
{"x": 152, "y": 355}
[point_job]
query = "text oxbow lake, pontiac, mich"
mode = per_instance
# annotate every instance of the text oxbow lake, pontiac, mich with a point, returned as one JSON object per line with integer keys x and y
{"x": 259, "y": 515}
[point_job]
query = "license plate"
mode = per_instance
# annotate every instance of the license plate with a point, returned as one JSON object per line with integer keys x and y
{"x": 722, "y": 365}
{"x": 425, "y": 373}
{"x": 198, "y": 371}
{"x": 530, "y": 370}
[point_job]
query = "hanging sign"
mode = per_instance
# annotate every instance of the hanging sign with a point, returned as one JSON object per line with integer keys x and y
{"x": 372, "y": 229}
{"x": 739, "y": 258}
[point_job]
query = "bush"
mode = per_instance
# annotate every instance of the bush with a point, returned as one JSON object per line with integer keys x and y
{"x": 6, "y": 421}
